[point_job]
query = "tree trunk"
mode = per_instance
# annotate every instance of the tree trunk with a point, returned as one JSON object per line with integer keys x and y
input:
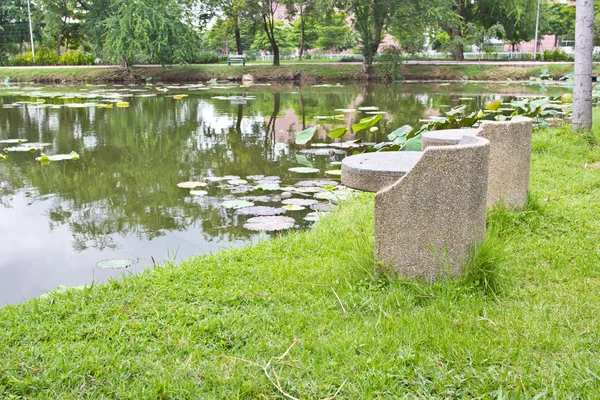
{"x": 58, "y": 44}
{"x": 458, "y": 52}
{"x": 367, "y": 66}
{"x": 275, "y": 53}
{"x": 123, "y": 62}
{"x": 584, "y": 47}
{"x": 302, "y": 39}
{"x": 240, "y": 116}
{"x": 238, "y": 37}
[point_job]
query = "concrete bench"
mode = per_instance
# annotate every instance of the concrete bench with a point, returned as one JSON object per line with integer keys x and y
{"x": 430, "y": 206}
{"x": 236, "y": 58}
{"x": 510, "y": 157}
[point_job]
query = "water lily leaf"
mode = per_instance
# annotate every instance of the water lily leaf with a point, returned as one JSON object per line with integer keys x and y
{"x": 269, "y": 223}
{"x": 493, "y": 106}
{"x": 376, "y": 112}
{"x": 123, "y": 104}
{"x": 13, "y": 141}
{"x": 237, "y": 204}
{"x": 334, "y": 172}
{"x": 456, "y": 111}
{"x": 299, "y": 202}
{"x": 22, "y": 149}
{"x": 413, "y": 144}
{"x": 191, "y": 185}
{"x": 260, "y": 211}
{"x": 222, "y": 178}
{"x": 180, "y": 96}
{"x": 255, "y": 177}
{"x": 373, "y": 129}
{"x": 115, "y": 263}
{"x": 400, "y": 133}
{"x": 293, "y": 207}
{"x": 306, "y": 135}
{"x": 324, "y": 207}
{"x": 269, "y": 186}
{"x": 345, "y": 110}
{"x": 323, "y": 151}
{"x": 337, "y": 133}
{"x": 3, "y": 157}
{"x": 304, "y": 170}
{"x": 369, "y": 108}
{"x": 303, "y": 160}
{"x": 59, "y": 157}
{"x": 105, "y": 106}
{"x": 198, "y": 193}
{"x": 237, "y": 182}
{"x": 366, "y": 123}
{"x": 566, "y": 98}
{"x": 310, "y": 189}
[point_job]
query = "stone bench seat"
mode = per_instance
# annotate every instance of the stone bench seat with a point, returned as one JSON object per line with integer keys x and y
{"x": 372, "y": 172}
{"x": 430, "y": 206}
{"x": 510, "y": 157}
{"x": 236, "y": 58}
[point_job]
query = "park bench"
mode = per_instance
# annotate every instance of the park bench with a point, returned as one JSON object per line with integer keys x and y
{"x": 429, "y": 206}
{"x": 510, "y": 157}
{"x": 235, "y": 58}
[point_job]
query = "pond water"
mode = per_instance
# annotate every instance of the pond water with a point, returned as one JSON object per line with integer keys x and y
{"x": 120, "y": 198}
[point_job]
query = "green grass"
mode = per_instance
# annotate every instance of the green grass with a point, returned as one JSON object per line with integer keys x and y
{"x": 523, "y": 322}
{"x": 325, "y": 71}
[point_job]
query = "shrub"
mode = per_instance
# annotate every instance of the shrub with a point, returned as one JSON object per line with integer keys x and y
{"x": 390, "y": 63}
{"x": 556, "y": 55}
{"x": 351, "y": 58}
{"x": 43, "y": 56}
{"x": 206, "y": 58}
{"x": 76, "y": 58}
{"x": 5, "y": 60}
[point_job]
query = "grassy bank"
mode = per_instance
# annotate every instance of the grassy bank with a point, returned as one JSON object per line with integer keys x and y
{"x": 307, "y": 310}
{"x": 308, "y": 73}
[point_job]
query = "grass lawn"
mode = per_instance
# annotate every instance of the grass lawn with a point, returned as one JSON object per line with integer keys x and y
{"x": 303, "y": 314}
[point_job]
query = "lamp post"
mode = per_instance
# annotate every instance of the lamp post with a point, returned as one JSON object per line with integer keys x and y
{"x": 31, "y": 32}
{"x": 537, "y": 25}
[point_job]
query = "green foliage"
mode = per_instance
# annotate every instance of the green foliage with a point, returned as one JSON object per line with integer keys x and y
{"x": 43, "y": 56}
{"x": 390, "y": 63}
{"x": 158, "y": 29}
{"x": 76, "y": 58}
{"x": 556, "y": 55}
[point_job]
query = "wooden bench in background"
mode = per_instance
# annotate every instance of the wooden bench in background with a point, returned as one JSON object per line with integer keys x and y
{"x": 235, "y": 58}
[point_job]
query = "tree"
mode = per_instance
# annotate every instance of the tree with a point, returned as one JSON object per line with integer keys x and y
{"x": 161, "y": 30}
{"x": 282, "y": 33}
{"x": 559, "y": 21}
{"x": 14, "y": 28}
{"x": 61, "y": 20}
{"x": 334, "y": 33}
{"x": 267, "y": 10}
{"x": 303, "y": 10}
{"x": 584, "y": 48}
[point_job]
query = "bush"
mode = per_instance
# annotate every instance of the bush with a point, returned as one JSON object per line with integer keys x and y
{"x": 556, "y": 55}
{"x": 351, "y": 58}
{"x": 390, "y": 63}
{"x": 5, "y": 60}
{"x": 206, "y": 58}
{"x": 76, "y": 58}
{"x": 43, "y": 56}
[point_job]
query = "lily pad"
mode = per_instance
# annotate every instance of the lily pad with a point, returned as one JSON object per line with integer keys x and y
{"x": 269, "y": 223}
{"x": 317, "y": 182}
{"x": 304, "y": 170}
{"x": 13, "y": 141}
{"x": 306, "y": 135}
{"x": 268, "y": 186}
{"x": 222, "y": 178}
{"x": 191, "y": 185}
{"x": 123, "y": 104}
{"x": 237, "y": 182}
{"x": 293, "y": 207}
{"x": 324, "y": 207}
{"x": 334, "y": 172}
{"x": 309, "y": 189}
{"x": 115, "y": 263}
{"x": 237, "y": 204}
{"x": 299, "y": 202}
{"x": 260, "y": 211}
{"x": 255, "y": 177}
{"x": 3, "y": 157}
{"x": 198, "y": 193}
{"x": 58, "y": 157}
{"x": 22, "y": 149}
{"x": 369, "y": 108}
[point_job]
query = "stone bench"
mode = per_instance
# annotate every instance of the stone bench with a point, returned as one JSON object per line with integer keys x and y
{"x": 510, "y": 157}
{"x": 236, "y": 58}
{"x": 430, "y": 206}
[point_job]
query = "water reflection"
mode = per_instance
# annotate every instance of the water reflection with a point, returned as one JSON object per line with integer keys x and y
{"x": 120, "y": 198}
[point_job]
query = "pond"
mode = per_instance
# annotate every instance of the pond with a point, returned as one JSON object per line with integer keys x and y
{"x": 120, "y": 199}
